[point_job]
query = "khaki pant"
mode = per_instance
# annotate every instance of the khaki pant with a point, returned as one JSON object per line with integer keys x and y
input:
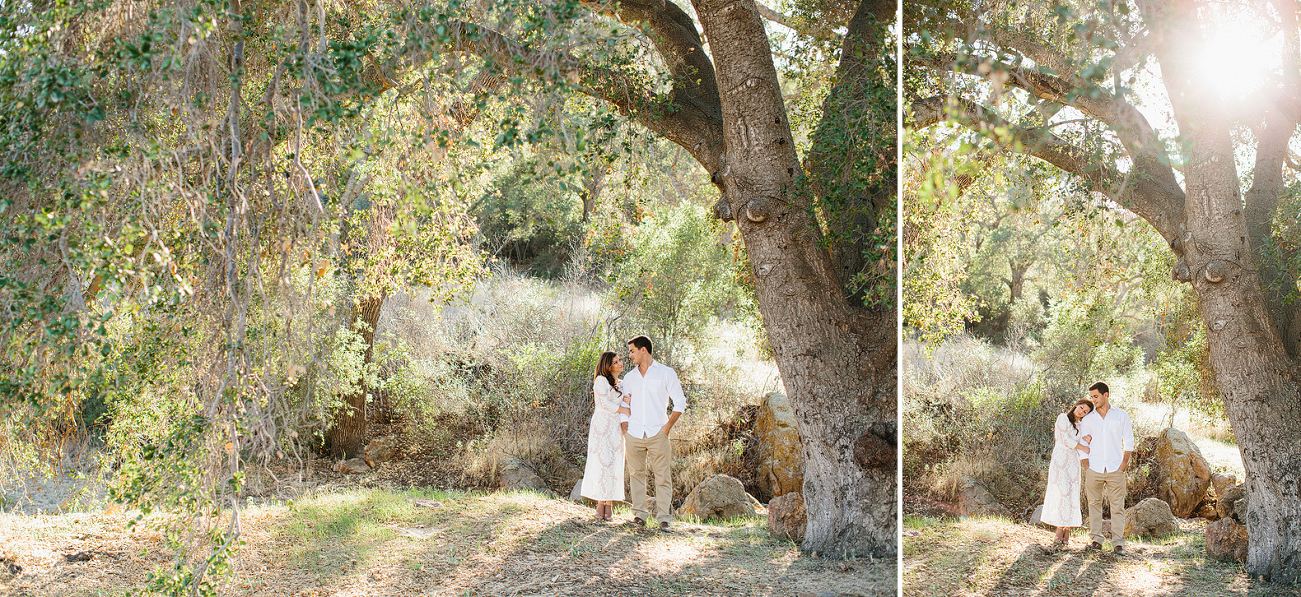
{"x": 1112, "y": 488}
{"x": 651, "y": 454}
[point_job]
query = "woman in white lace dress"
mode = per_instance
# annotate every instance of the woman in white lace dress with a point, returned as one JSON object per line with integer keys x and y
{"x": 1062, "y": 499}
{"x": 603, "y": 476}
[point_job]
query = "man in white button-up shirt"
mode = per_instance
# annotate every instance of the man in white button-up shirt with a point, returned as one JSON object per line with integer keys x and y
{"x": 646, "y": 445}
{"x": 1111, "y": 441}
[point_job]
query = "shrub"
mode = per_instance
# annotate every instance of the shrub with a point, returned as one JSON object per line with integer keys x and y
{"x": 530, "y": 219}
{"x": 1086, "y": 340}
{"x": 678, "y": 277}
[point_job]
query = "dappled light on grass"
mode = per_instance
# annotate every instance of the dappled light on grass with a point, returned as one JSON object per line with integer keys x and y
{"x": 354, "y": 542}
{"x": 996, "y": 557}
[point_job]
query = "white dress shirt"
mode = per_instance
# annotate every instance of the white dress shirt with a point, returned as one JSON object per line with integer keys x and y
{"x": 651, "y": 394}
{"x": 1113, "y": 435}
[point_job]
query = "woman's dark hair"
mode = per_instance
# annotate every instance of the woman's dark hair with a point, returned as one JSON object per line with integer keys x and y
{"x": 604, "y": 366}
{"x": 1070, "y": 412}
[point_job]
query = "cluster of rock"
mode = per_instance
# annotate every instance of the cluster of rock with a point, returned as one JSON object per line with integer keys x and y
{"x": 379, "y": 450}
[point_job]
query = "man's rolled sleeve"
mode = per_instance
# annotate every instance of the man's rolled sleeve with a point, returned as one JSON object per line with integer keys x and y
{"x": 1127, "y": 438}
{"x": 676, "y": 396}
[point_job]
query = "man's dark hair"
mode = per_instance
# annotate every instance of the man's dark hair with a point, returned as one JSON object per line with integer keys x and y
{"x": 1101, "y": 387}
{"x": 642, "y": 342}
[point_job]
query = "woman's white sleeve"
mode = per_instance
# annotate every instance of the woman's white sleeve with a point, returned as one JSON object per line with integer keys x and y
{"x": 1065, "y": 436}
{"x": 607, "y": 399}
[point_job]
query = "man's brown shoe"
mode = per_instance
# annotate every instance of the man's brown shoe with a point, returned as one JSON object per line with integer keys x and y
{"x": 664, "y": 527}
{"x": 1118, "y": 550}
{"x": 1094, "y": 546}
{"x": 636, "y": 522}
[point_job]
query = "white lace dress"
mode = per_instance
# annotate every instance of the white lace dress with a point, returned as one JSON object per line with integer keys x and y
{"x": 1062, "y": 499}
{"x": 603, "y": 476}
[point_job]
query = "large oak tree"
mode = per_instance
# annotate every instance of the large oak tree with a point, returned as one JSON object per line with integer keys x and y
{"x": 1078, "y": 85}
{"x": 816, "y": 231}
{"x": 236, "y": 123}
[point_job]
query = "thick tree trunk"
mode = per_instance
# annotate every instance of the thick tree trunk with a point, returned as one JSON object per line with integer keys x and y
{"x": 1256, "y": 377}
{"x": 347, "y": 433}
{"x": 1016, "y": 286}
{"x": 838, "y": 362}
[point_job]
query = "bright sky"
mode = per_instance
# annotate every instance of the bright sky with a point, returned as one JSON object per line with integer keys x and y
{"x": 1242, "y": 49}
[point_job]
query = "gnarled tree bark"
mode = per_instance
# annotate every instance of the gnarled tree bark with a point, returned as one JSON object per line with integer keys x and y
{"x": 837, "y": 360}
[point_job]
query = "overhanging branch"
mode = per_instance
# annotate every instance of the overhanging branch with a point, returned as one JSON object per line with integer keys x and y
{"x": 687, "y": 123}
{"x": 1129, "y": 189}
{"x": 1131, "y": 127}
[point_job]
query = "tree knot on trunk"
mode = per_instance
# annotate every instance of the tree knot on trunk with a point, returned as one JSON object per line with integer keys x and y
{"x": 1215, "y": 271}
{"x": 1181, "y": 272}
{"x": 723, "y": 211}
{"x": 873, "y": 452}
{"x": 756, "y": 210}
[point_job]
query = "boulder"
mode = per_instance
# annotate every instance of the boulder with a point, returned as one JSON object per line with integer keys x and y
{"x": 975, "y": 500}
{"x": 1207, "y": 510}
{"x": 576, "y": 495}
{"x": 1226, "y": 540}
{"x": 380, "y": 449}
{"x": 1221, "y": 482}
{"x": 1150, "y": 517}
{"x": 1038, "y": 517}
{"x": 719, "y": 496}
{"x": 1232, "y": 503}
{"x": 352, "y": 466}
{"x": 786, "y": 517}
{"x": 781, "y": 457}
{"x": 517, "y": 475}
{"x": 1007, "y": 488}
{"x": 1184, "y": 474}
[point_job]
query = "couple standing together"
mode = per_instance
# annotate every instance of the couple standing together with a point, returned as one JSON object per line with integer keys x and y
{"x": 1097, "y": 437}
{"x": 631, "y": 423}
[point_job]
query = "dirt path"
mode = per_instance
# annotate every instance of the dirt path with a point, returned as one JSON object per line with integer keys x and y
{"x": 378, "y": 542}
{"x": 995, "y": 557}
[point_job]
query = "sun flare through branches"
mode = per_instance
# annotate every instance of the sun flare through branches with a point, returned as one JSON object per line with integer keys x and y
{"x": 1240, "y": 53}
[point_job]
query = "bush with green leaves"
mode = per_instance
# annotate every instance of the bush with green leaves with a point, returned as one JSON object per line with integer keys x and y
{"x": 680, "y": 275}
{"x": 1085, "y": 340}
{"x": 1182, "y": 366}
{"x": 530, "y": 218}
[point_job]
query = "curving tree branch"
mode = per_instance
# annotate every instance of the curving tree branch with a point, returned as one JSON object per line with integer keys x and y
{"x": 684, "y": 116}
{"x": 1136, "y": 134}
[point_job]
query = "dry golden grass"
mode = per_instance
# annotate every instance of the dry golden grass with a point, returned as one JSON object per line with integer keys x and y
{"x": 359, "y": 541}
